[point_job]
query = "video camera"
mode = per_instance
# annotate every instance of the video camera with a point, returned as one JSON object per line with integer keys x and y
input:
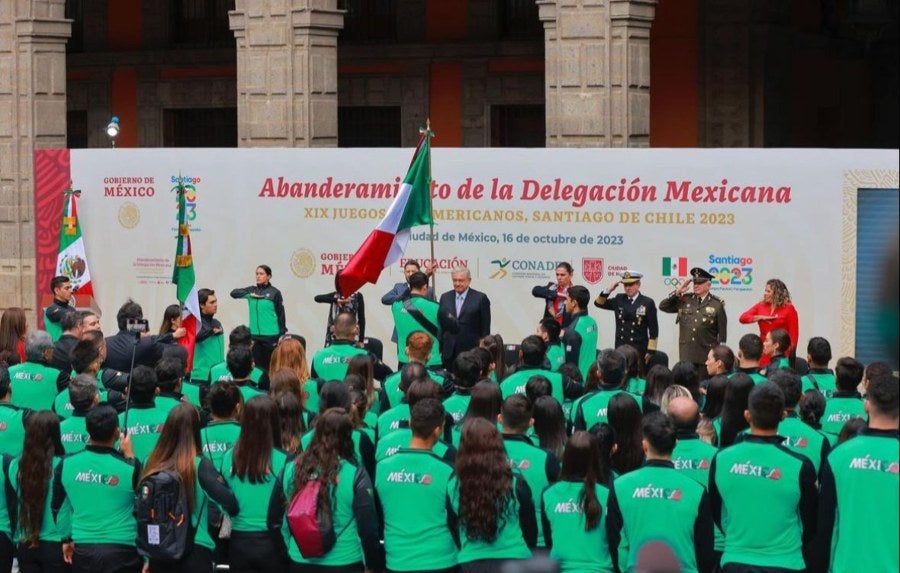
{"x": 137, "y": 326}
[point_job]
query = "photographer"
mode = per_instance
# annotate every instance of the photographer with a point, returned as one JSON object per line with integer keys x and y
{"x": 133, "y": 339}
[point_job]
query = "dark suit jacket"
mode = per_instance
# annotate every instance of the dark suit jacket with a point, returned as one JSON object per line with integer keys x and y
{"x": 148, "y": 352}
{"x": 474, "y": 323}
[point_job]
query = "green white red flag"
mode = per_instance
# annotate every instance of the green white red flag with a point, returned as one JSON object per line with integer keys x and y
{"x": 184, "y": 279}
{"x": 71, "y": 260}
{"x": 387, "y": 243}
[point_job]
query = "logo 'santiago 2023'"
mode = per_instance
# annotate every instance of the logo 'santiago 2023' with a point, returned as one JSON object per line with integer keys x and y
{"x": 731, "y": 272}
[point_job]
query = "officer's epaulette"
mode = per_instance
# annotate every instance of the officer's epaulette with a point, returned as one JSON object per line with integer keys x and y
{"x": 718, "y": 298}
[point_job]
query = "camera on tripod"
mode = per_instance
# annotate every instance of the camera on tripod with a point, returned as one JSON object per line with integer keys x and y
{"x": 137, "y": 326}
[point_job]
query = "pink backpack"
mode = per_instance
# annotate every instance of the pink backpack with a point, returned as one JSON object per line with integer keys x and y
{"x": 313, "y": 532}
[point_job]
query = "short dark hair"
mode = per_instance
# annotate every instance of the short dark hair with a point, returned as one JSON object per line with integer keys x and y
{"x": 223, "y": 397}
{"x": 418, "y": 280}
{"x": 533, "y": 349}
{"x": 70, "y": 320}
{"x": 83, "y": 354}
{"x": 611, "y": 367}
{"x": 516, "y": 412}
{"x": 101, "y": 422}
{"x": 538, "y": 386}
{"x": 751, "y": 346}
{"x": 659, "y": 431}
{"x": 848, "y": 373}
{"x": 551, "y": 327}
{"x": 566, "y": 266}
{"x": 239, "y": 361}
{"x": 725, "y": 355}
{"x": 82, "y": 390}
{"x": 409, "y": 373}
{"x": 571, "y": 370}
{"x": 790, "y": 384}
{"x": 412, "y": 263}
{"x": 422, "y": 389}
{"x": 580, "y": 295}
{"x": 204, "y": 294}
{"x": 425, "y": 416}
{"x": 883, "y": 393}
{"x": 240, "y": 336}
{"x": 169, "y": 372}
{"x": 466, "y": 369}
{"x": 143, "y": 384}
{"x": 128, "y": 311}
{"x": 58, "y": 281}
{"x": 766, "y": 405}
{"x": 176, "y": 352}
{"x": 266, "y": 268}
{"x": 819, "y": 350}
{"x": 877, "y": 368}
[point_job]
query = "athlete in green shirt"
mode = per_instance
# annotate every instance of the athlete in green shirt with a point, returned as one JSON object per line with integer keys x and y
{"x": 99, "y": 483}
{"x": 34, "y": 384}
{"x": 143, "y": 420}
{"x": 750, "y": 349}
{"x": 845, "y": 403}
{"x": 539, "y": 467}
{"x": 763, "y": 494}
{"x": 820, "y": 377}
{"x": 410, "y": 490}
{"x": 418, "y": 313}
{"x": 7, "y": 514}
{"x": 858, "y": 519}
{"x": 586, "y": 327}
{"x": 574, "y": 509}
{"x": 798, "y": 436}
{"x": 83, "y": 395}
{"x": 209, "y": 348}
{"x": 532, "y": 355}
{"x": 659, "y": 503}
{"x": 12, "y": 418}
{"x": 331, "y": 362}
{"x": 61, "y": 287}
{"x": 592, "y": 409}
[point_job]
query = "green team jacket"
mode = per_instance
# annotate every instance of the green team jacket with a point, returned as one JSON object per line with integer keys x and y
{"x": 354, "y": 518}
{"x": 398, "y": 440}
{"x": 8, "y": 512}
{"x": 331, "y": 362}
{"x": 693, "y": 458}
{"x": 656, "y": 502}
{"x": 218, "y": 437}
{"x": 411, "y": 491}
{"x": 99, "y": 483}
{"x": 266, "y": 309}
{"x": 821, "y": 379}
{"x": 593, "y": 409}
{"x": 858, "y": 518}
{"x": 145, "y": 424}
{"x": 779, "y": 531}
{"x": 51, "y": 529}
{"x": 804, "y": 440}
{"x": 74, "y": 433}
{"x": 35, "y": 386}
{"x": 515, "y": 382}
{"x": 586, "y": 327}
{"x": 253, "y": 498}
{"x": 208, "y": 351}
{"x": 576, "y": 550}
{"x": 406, "y": 325}
{"x": 539, "y": 467}
{"x": 840, "y": 409}
{"x": 12, "y": 428}
{"x": 515, "y": 536}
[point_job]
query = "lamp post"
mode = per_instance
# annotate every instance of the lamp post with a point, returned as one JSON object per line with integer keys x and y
{"x": 112, "y": 129}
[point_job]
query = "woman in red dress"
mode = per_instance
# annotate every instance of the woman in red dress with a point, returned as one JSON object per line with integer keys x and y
{"x": 775, "y": 310}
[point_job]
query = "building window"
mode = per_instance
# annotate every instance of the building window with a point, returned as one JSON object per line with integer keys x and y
{"x": 519, "y": 20}
{"x": 76, "y": 129}
{"x": 200, "y": 23}
{"x": 210, "y": 127}
{"x": 368, "y": 21}
{"x": 369, "y": 126}
{"x": 75, "y": 12}
{"x": 518, "y": 126}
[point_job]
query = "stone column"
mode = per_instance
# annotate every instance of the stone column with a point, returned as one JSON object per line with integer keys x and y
{"x": 33, "y": 38}
{"x": 597, "y": 72}
{"x": 287, "y": 72}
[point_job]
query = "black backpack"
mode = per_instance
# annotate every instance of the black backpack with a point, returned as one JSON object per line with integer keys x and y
{"x": 165, "y": 531}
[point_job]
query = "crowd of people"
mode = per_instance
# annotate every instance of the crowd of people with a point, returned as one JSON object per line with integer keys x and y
{"x": 563, "y": 454}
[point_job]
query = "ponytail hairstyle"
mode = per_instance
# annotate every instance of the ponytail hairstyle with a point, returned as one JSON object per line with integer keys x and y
{"x": 42, "y": 444}
{"x": 581, "y": 460}
{"x": 178, "y": 447}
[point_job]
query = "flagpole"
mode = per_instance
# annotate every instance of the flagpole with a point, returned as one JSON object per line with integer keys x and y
{"x": 430, "y": 204}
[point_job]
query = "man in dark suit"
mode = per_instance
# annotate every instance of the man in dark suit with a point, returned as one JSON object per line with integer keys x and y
{"x": 472, "y": 310}
{"x": 147, "y": 349}
{"x": 636, "y": 322}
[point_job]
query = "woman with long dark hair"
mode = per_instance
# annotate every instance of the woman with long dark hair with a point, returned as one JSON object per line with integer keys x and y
{"x": 345, "y": 496}
{"x": 485, "y": 403}
{"x": 577, "y": 539}
{"x": 493, "y": 343}
{"x": 549, "y": 425}
{"x": 362, "y": 366}
{"x": 625, "y": 417}
{"x": 685, "y": 374}
{"x": 179, "y": 449}
{"x": 13, "y": 327}
{"x": 634, "y": 370}
{"x": 171, "y": 320}
{"x": 710, "y": 415}
{"x": 250, "y": 469}
{"x": 659, "y": 378}
{"x": 40, "y": 536}
{"x": 286, "y": 381}
{"x": 291, "y": 415}
{"x": 737, "y": 392}
{"x": 266, "y": 320}
{"x": 493, "y": 505}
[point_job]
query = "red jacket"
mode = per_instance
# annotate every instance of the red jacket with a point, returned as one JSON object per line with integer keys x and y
{"x": 785, "y": 317}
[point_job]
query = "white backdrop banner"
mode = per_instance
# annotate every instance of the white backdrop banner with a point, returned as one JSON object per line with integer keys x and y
{"x": 509, "y": 215}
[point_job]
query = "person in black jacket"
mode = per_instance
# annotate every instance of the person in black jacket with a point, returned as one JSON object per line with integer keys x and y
{"x": 472, "y": 310}
{"x": 146, "y": 349}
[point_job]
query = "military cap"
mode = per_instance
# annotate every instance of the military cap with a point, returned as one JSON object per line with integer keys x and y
{"x": 700, "y": 275}
{"x": 631, "y": 277}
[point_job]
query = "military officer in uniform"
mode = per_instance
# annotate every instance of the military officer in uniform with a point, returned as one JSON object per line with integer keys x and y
{"x": 636, "y": 323}
{"x": 701, "y": 319}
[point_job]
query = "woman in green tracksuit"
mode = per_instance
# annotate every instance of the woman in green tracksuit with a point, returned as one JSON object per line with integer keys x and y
{"x": 574, "y": 508}
{"x": 493, "y": 504}
{"x": 251, "y": 469}
{"x": 347, "y": 496}
{"x": 40, "y": 537}
{"x": 179, "y": 449}
{"x": 266, "y": 315}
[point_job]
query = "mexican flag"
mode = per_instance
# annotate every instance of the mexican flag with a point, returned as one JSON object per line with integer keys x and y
{"x": 386, "y": 244}
{"x": 183, "y": 277}
{"x": 71, "y": 260}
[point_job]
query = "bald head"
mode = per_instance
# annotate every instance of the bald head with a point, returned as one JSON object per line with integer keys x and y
{"x": 684, "y": 413}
